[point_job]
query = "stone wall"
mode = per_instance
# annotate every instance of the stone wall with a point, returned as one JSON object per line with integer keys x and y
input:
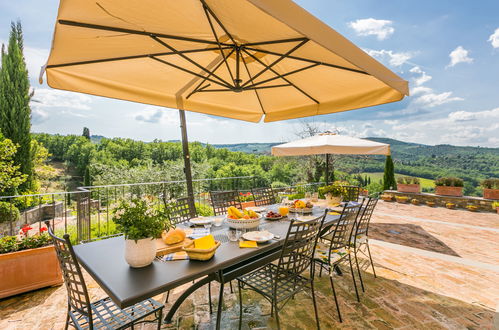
{"x": 461, "y": 202}
{"x": 33, "y": 215}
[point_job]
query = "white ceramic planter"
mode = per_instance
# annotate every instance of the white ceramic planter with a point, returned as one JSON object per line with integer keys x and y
{"x": 333, "y": 200}
{"x": 140, "y": 253}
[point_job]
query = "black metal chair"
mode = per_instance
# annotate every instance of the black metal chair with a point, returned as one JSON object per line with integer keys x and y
{"x": 222, "y": 200}
{"x": 102, "y": 314}
{"x": 264, "y": 196}
{"x": 281, "y": 281}
{"x": 351, "y": 193}
{"x": 180, "y": 211}
{"x": 361, "y": 238}
{"x": 333, "y": 249}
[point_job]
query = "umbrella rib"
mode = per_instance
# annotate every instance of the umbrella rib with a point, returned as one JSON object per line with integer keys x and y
{"x": 214, "y": 69}
{"x": 188, "y": 71}
{"x": 283, "y": 78}
{"x": 281, "y": 41}
{"x": 244, "y": 89}
{"x": 285, "y": 74}
{"x": 190, "y": 60}
{"x": 130, "y": 31}
{"x": 216, "y": 38}
{"x": 205, "y": 5}
{"x": 283, "y": 56}
{"x": 131, "y": 57}
{"x": 256, "y": 91}
{"x": 306, "y": 60}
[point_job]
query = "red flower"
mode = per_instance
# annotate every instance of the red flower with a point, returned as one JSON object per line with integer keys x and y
{"x": 25, "y": 229}
{"x": 241, "y": 193}
{"x": 43, "y": 229}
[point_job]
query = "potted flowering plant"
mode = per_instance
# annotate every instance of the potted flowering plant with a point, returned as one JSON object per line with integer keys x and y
{"x": 402, "y": 199}
{"x": 450, "y": 205}
{"x": 246, "y": 199}
{"x": 472, "y": 207}
{"x": 414, "y": 201}
{"x": 430, "y": 203}
{"x": 141, "y": 221}
{"x": 449, "y": 186}
{"x": 495, "y": 206}
{"x": 333, "y": 193}
{"x": 408, "y": 184}
{"x": 387, "y": 197}
{"x": 490, "y": 188}
{"x": 27, "y": 262}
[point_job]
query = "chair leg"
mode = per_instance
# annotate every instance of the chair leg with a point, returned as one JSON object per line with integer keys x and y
{"x": 320, "y": 270}
{"x": 160, "y": 319}
{"x": 353, "y": 277}
{"x": 209, "y": 297}
{"x": 315, "y": 305}
{"x": 335, "y": 298}
{"x": 231, "y": 290}
{"x": 371, "y": 259}
{"x": 274, "y": 303}
{"x": 358, "y": 270}
{"x": 167, "y": 296}
{"x": 240, "y": 305}
{"x": 220, "y": 303}
{"x": 67, "y": 320}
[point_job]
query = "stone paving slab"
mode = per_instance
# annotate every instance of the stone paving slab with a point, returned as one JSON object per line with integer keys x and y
{"x": 413, "y": 290}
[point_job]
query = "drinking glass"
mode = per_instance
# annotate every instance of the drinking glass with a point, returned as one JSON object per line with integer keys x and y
{"x": 218, "y": 222}
{"x": 208, "y": 226}
{"x": 234, "y": 235}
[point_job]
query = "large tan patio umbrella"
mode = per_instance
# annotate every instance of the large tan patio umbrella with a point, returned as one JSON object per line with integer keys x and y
{"x": 241, "y": 59}
{"x": 331, "y": 143}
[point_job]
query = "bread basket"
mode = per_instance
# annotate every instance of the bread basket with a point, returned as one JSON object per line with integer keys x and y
{"x": 200, "y": 254}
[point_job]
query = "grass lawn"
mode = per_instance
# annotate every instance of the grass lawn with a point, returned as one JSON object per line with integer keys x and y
{"x": 376, "y": 176}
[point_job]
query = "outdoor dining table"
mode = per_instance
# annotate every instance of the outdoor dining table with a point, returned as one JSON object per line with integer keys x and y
{"x": 104, "y": 261}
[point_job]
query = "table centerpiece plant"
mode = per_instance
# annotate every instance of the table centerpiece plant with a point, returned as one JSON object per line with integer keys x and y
{"x": 333, "y": 193}
{"x": 141, "y": 220}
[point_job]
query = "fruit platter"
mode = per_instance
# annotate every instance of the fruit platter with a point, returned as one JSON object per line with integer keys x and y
{"x": 299, "y": 206}
{"x": 271, "y": 215}
{"x": 242, "y": 219}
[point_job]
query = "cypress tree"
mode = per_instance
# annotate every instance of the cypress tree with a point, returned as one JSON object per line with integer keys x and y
{"x": 86, "y": 133}
{"x": 15, "y": 95}
{"x": 389, "y": 182}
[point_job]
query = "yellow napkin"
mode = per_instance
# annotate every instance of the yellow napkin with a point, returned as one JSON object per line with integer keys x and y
{"x": 334, "y": 213}
{"x": 247, "y": 244}
{"x": 206, "y": 242}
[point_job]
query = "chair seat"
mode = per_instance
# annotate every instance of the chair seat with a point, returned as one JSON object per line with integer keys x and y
{"x": 107, "y": 315}
{"x": 322, "y": 253}
{"x": 262, "y": 281}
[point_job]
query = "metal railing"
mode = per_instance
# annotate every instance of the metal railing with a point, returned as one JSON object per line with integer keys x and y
{"x": 87, "y": 213}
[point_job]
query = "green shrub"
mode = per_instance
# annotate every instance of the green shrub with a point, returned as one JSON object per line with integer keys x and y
{"x": 298, "y": 195}
{"x": 490, "y": 183}
{"x": 449, "y": 182}
{"x": 279, "y": 185}
{"x": 407, "y": 180}
{"x": 204, "y": 210}
{"x": 8, "y": 212}
{"x": 374, "y": 189}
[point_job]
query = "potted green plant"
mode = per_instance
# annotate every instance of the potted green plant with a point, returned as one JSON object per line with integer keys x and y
{"x": 333, "y": 193}
{"x": 408, "y": 184}
{"x": 141, "y": 221}
{"x": 449, "y": 186}
{"x": 27, "y": 262}
{"x": 490, "y": 188}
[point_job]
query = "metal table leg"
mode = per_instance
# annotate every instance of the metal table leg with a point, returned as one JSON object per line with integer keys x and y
{"x": 185, "y": 294}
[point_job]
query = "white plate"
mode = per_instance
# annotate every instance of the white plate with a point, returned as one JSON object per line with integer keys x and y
{"x": 270, "y": 219}
{"x": 201, "y": 221}
{"x": 305, "y": 218}
{"x": 257, "y": 209}
{"x": 258, "y": 236}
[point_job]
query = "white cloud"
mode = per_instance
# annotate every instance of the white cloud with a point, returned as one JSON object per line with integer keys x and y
{"x": 420, "y": 90}
{"x": 45, "y": 97}
{"x": 494, "y": 38}
{"x": 153, "y": 118}
{"x": 154, "y": 115}
{"x": 38, "y": 116}
{"x": 390, "y": 57}
{"x": 391, "y": 122}
{"x": 432, "y": 99}
{"x": 459, "y": 55}
{"x": 380, "y": 28}
{"x": 469, "y": 116}
{"x": 422, "y": 78}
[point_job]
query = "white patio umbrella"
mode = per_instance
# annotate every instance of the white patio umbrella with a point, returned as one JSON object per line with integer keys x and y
{"x": 331, "y": 143}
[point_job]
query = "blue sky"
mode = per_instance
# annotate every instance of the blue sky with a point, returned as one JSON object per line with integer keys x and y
{"x": 447, "y": 50}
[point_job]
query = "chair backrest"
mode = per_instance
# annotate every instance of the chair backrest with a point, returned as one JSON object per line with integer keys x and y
{"x": 180, "y": 211}
{"x": 222, "y": 200}
{"x": 299, "y": 246}
{"x": 351, "y": 193}
{"x": 364, "y": 218}
{"x": 78, "y": 298}
{"x": 264, "y": 196}
{"x": 344, "y": 228}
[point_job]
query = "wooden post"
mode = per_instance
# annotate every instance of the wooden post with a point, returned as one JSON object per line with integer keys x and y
{"x": 187, "y": 163}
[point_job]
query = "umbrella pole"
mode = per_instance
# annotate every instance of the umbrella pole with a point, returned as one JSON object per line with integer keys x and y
{"x": 187, "y": 163}
{"x": 327, "y": 169}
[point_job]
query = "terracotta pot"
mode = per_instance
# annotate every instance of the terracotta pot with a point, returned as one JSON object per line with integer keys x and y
{"x": 247, "y": 204}
{"x": 140, "y": 253}
{"x": 490, "y": 193}
{"x": 449, "y": 191}
{"x": 431, "y": 204}
{"x": 415, "y": 202}
{"x": 408, "y": 188}
{"x": 402, "y": 200}
{"x": 28, "y": 270}
{"x": 450, "y": 206}
{"x": 387, "y": 198}
{"x": 497, "y": 210}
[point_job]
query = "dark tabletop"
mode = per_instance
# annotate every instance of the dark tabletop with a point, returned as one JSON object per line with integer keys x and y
{"x": 105, "y": 262}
